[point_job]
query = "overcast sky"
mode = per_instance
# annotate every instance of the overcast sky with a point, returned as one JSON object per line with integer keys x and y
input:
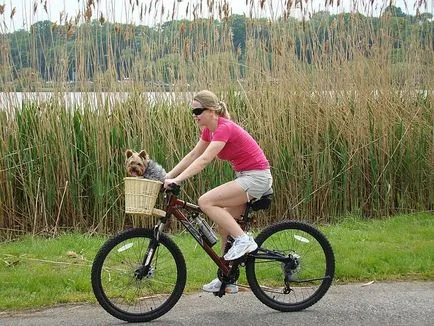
{"x": 121, "y": 10}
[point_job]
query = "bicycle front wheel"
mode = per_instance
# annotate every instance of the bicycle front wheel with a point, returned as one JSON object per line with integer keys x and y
{"x": 127, "y": 291}
{"x": 293, "y": 267}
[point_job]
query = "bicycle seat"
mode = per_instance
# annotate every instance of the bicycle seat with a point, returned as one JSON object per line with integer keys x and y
{"x": 262, "y": 203}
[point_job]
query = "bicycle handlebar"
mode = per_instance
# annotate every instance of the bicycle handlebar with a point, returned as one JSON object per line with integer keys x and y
{"x": 174, "y": 189}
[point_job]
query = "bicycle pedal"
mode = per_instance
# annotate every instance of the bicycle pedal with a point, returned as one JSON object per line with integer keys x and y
{"x": 219, "y": 294}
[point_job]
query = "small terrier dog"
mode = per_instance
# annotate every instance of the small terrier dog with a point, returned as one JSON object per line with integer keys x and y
{"x": 139, "y": 165}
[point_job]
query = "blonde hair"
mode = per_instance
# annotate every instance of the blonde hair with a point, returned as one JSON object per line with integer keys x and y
{"x": 210, "y": 101}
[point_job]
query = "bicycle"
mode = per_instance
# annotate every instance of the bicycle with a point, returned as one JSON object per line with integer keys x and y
{"x": 140, "y": 274}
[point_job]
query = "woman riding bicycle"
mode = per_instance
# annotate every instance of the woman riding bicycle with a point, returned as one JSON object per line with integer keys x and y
{"x": 225, "y": 139}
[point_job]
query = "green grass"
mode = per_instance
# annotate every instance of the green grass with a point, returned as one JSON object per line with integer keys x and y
{"x": 394, "y": 248}
{"x": 38, "y": 271}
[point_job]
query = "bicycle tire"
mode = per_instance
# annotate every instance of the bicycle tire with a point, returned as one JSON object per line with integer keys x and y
{"x": 308, "y": 282}
{"x": 121, "y": 293}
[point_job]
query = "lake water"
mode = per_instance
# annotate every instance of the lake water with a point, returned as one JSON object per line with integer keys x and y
{"x": 10, "y": 101}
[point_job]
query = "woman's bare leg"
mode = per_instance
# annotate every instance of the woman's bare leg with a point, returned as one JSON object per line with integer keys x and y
{"x": 236, "y": 212}
{"x": 220, "y": 203}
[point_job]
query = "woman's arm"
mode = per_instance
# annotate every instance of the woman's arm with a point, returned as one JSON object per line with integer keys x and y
{"x": 198, "y": 150}
{"x": 201, "y": 162}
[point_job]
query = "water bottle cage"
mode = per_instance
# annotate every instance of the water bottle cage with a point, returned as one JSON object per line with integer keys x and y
{"x": 206, "y": 231}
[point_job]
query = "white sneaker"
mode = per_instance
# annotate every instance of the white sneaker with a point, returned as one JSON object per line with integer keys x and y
{"x": 214, "y": 286}
{"x": 241, "y": 247}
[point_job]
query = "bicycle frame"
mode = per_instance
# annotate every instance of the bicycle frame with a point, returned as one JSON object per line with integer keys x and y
{"x": 173, "y": 206}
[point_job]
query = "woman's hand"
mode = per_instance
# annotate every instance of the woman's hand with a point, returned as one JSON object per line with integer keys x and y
{"x": 169, "y": 181}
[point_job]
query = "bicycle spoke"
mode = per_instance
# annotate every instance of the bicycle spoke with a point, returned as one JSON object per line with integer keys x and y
{"x": 297, "y": 275}
{"x": 128, "y": 290}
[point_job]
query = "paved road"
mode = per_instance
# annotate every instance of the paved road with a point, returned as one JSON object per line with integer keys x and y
{"x": 406, "y": 303}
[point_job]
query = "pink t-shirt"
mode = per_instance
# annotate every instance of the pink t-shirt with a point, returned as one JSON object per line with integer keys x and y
{"x": 241, "y": 150}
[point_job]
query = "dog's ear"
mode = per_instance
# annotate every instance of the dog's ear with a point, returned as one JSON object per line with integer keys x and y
{"x": 144, "y": 155}
{"x": 128, "y": 153}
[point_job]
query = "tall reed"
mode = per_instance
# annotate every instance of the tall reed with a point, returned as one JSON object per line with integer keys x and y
{"x": 343, "y": 114}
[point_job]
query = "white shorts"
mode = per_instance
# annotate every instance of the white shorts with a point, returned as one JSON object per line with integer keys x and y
{"x": 255, "y": 182}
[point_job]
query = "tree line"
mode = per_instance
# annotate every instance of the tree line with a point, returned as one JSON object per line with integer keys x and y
{"x": 99, "y": 49}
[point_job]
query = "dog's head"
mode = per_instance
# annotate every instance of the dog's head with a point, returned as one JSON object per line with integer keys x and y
{"x": 136, "y": 163}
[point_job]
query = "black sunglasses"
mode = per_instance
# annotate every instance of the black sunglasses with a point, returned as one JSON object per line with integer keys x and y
{"x": 198, "y": 111}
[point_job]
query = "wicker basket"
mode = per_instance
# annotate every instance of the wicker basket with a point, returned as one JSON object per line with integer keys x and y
{"x": 141, "y": 195}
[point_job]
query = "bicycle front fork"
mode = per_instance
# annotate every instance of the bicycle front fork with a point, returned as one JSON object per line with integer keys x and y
{"x": 145, "y": 270}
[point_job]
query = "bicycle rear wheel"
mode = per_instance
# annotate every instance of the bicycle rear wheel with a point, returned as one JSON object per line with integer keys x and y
{"x": 124, "y": 289}
{"x": 293, "y": 267}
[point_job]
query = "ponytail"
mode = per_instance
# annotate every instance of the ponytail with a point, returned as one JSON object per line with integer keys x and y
{"x": 222, "y": 110}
